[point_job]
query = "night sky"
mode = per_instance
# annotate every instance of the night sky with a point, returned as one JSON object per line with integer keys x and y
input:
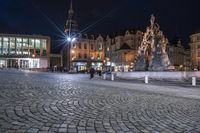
{"x": 47, "y": 17}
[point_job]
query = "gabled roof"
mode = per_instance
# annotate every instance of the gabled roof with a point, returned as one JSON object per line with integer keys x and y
{"x": 125, "y": 46}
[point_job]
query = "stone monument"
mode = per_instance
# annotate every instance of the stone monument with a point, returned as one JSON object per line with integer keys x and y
{"x": 152, "y": 55}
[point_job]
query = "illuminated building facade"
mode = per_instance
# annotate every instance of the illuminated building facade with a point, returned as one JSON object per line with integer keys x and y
{"x": 179, "y": 55}
{"x": 87, "y": 51}
{"x": 121, "y": 50}
{"x": 24, "y": 51}
{"x": 195, "y": 50}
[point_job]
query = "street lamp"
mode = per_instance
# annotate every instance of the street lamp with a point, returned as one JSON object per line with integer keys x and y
{"x": 70, "y": 40}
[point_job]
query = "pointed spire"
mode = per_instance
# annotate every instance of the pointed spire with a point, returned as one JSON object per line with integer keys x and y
{"x": 71, "y": 11}
{"x": 71, "y": 25}
{"x": 71, "y": 5}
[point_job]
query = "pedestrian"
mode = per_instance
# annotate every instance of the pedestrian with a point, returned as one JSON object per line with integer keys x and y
{"x": 99, "y": 73}
{"x": 92, "y": 71}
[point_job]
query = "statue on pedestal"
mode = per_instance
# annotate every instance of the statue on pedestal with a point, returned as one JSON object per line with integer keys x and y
{"x": 152, "y": 53}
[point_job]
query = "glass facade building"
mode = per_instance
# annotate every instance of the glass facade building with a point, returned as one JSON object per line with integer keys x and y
{"x": 24, "y": 51}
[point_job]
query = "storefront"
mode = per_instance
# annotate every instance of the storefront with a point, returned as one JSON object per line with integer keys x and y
{"x": 79, "y": 66}
{"x": 24, "y": 51}
{"x": 97, "y": 65}
{"x": 24, "y": 63}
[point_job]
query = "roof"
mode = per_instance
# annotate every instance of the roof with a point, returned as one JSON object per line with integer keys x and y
{"x": 125, "y": 46}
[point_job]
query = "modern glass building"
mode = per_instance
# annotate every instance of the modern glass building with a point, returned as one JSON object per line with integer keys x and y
{"x": 24, "y": 51}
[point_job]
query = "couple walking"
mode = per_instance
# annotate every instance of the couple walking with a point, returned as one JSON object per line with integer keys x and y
{"x": 92, "y": 72}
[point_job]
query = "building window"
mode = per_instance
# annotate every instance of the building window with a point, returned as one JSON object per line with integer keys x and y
{"x": 5, "y": 45}
{"x": 79, "y": 46}
{"x": 199, "y": 54}
{"x": 31, "y": 43}
{"x": 198, "y": 46}
{"x": 25, "y": 46}
{"x": 44, "y": 44}
{"x": 79, "y": 55}
{"x": 108, "y": 49}
{"x": 198, "y": 38}
{"x": 100, "y": 46}
{"x": 31, "y": 46}
{"x": 85, "y": 45}
{"x": 85, "y": 56}
{"x": 12, "y": 45}
{"x": 19, "y": 45}
{"x": 37, "y": 46}
{"x": 37, "y": 43}
{"x": 92, "y": 46}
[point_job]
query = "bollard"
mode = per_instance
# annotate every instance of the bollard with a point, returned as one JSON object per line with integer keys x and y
{"x": 146, "y": 79}
{"x": 112, "y": 76}
{"x": 193, "y": 81}
{"x": 104, "y": 76}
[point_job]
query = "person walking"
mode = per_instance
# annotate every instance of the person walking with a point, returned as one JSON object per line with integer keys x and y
{"x": 92, "y": 71}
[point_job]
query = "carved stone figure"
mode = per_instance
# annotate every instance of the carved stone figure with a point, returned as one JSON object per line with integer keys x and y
{"x": 152, "y": 53}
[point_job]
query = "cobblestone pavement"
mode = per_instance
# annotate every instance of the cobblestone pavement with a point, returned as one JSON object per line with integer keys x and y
{"x": 48, "y": 103}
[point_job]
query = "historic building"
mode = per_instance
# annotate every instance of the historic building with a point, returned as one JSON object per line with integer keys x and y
{"x": 179, "y": 55}
{"x": 87, "y": 51}
{"x": 81, "y": 51}
{"x": 121, "y": 50}
{"x": 195, "y": 50}
{"x": 24, "y": 51}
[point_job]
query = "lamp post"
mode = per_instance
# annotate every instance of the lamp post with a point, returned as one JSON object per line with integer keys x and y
{"x": 70, "y": 40}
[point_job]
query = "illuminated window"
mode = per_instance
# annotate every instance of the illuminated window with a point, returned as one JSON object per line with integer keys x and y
{"x": 5, "y": 45}
{"x": 44, "y": 44}
{"x": 31, "y": 43}
{"x": 19, "y": 45}
{"x": 100, "y": 46}
{"x": 108, "y": 49}
{"x": 37, "y": 43}
{"x": 12, "y": 45}
{"x": 25, "y": 46}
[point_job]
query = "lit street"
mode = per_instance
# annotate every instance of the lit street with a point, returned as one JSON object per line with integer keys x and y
{"x": 57, "y": 102}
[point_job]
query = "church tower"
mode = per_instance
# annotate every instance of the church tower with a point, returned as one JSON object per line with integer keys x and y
{"x": 71, "y": 26}
{"x": 71, "y": 30}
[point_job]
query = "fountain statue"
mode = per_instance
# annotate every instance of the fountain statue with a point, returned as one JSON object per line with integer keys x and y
{"x": 152, "y": 55}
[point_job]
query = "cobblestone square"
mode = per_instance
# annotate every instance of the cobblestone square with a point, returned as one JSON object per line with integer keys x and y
{"x": 54, "y": 102}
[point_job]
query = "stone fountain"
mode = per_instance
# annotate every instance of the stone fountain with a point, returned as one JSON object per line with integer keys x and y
{"x": 152, "y": 55}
